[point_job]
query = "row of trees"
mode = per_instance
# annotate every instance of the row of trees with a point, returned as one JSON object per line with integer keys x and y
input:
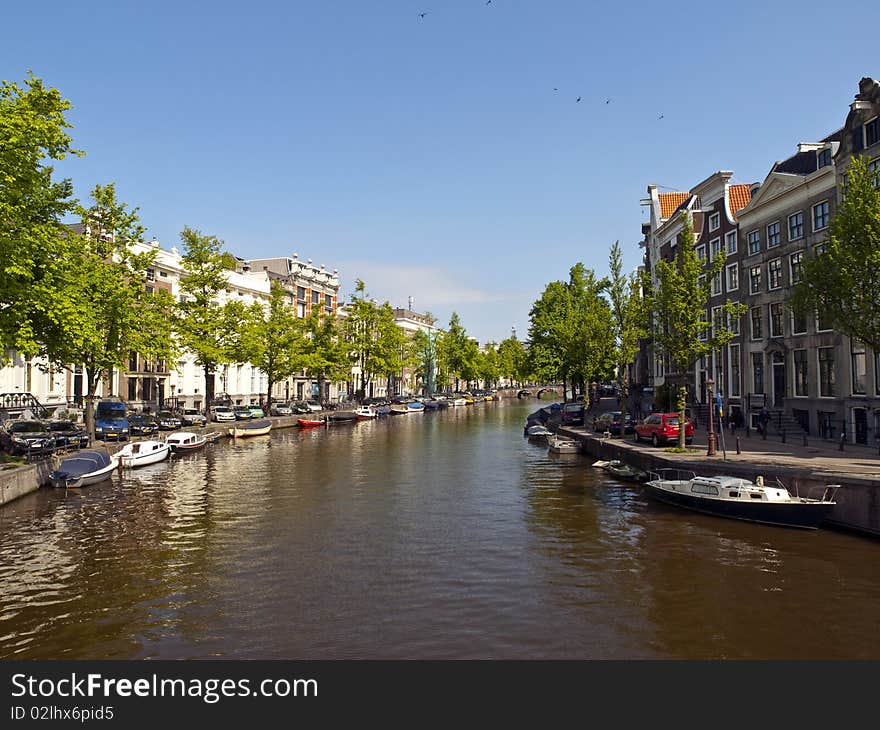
{"x": 79, "y": 295}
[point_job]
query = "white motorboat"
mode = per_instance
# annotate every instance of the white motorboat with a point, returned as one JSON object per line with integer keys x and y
{"x": 457, "y": 402}
{"x": 539, "y": 434}
{"x": 365, "y": 412}
{"x": 84, "y": 468}
{"x": 183, "y": 441}
{"x": 740, "y": 499}
{"x": 143, "y": 453}
{"x": 559, "y": 445}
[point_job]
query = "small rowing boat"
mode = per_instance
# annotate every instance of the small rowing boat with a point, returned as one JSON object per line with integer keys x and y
{"x": 252, "y": 428}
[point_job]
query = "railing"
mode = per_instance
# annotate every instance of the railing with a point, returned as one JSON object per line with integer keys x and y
{"x": 671, "y": 475}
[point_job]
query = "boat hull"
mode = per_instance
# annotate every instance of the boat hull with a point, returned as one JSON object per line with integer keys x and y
{"x": 804, "y": 515}
{"x": 258, "y": 428}
{"x": 87, "y": 480}
{"x": 131, "y": 460}
{"x": 309, "y": 423}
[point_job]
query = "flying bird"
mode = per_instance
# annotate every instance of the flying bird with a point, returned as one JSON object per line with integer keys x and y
{"x": 607, "y": 101}
{"x": 422, "y": 15}
{"x": 555, "y": 89}
{"x": 660, "y": 117}
{"x": 577, "y": 100}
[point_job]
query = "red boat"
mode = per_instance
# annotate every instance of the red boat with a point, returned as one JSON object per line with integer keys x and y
{"x": 310, "y": 422}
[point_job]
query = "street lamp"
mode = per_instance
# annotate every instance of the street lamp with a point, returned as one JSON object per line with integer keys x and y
{"x": 710, "y": 451}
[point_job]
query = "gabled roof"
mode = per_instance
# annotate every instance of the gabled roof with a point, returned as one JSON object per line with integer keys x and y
{"x": 739, "y": 196}
{"x": 669, "y": 202}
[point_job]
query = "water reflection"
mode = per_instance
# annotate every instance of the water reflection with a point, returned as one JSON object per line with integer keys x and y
{"x": 438, "y": 535}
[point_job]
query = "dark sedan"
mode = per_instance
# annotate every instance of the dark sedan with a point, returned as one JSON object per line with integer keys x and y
{"x": 142, "y": 425}
{"x": 68, "y": 435}
{"x": 27, "y": 437}
{"x": 611, "y": 422}
{"x": 168, "y": 421}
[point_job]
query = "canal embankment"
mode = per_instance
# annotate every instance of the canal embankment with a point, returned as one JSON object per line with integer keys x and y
{"x": 804, "y": 470}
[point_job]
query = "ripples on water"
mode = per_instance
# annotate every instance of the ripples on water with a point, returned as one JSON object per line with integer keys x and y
{"x": 437, "y": 535}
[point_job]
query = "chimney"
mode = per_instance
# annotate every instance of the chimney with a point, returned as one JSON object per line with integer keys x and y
{"x": 410, "y": 300}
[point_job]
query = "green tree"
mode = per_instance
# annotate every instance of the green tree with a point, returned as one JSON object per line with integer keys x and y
{"x": 272, "y": 339}
{"x": 392, "y": 350}
{"x": 327, "y": 356}
{"x": 424, "y": 347}
{"x": 488, "y": 367}
{"x": 35, "y": 247}
{"x": 512, "y": 358}
{"x": 111, "y": 313}
{"x": 840, "y": 279}
{"x": 455, "y": 351}
{"x": 682, "y": 332}
{"x": 629, "y": 321}
{"x": 359, "y": 330}
{"x": 206, "y": 328}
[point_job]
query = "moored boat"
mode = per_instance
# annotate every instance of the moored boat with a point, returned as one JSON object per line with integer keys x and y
{"x": 83, "y": 469}
{"x": 143, "y": 453}
{"x": 364, "y": 413}
{"x": 184, "y": 441}
{"x": 415, "y": 407}
{"x": 559, "y": 445}
{"x": 309, "y": 422}
{"x": 740, "y": 499}
{"x": 252, "y": 428}
{"x": 538, "y": 434}
{"x": 342, "y": 417}
{"x": 398, "y": 409}
{"x": 459, "y": 402}
{"x": 624, "y": 471}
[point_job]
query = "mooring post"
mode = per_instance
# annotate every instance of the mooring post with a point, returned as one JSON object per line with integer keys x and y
{"x": 842, "y": 441}
{"x": 783, "y": 435}
{"x": 805, "y": 438}
{"x": 738, "y": 448}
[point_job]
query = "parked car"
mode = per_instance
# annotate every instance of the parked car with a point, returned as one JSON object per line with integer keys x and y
{"x": 27, "y": 437}
{"x": 193, "y": 417}
{"x": 143, "y": 424}
{"x": 610, "y": 422}
{"x": 301, "y": 407}
{"x": 314, "y": 406}
{"x": 256, "y": 411}
{"x": 663, "y": 428}
{"x": 242, "y": 413}
{"x": 168, "y": 421}
{"x": 222, "y": 414}
{"x": 281, "y": 409}
{"x": 573, "y": 414}
{"x": 69, "y": 435}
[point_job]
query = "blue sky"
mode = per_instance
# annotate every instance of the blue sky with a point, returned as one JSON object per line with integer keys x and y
{"x": 431, "y": 157}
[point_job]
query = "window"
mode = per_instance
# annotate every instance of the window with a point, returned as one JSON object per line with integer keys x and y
{"x": 328, "y": 302}
{"x": 704, "y": 489}
{"x": 800, "y": 372}
{"x": 132, "y": 389}
{"x": 872, "y": 132}
{"x": 859, "y": 369}
{"x": 301, "y": 293}
{"x": 716, "y": 284}
{"x": 715, "y": 247}
{"x": 301, "y": 310}
{"x": 757, "y": 320}
{"x": 758, "y": 372}
{"x": 820, "y": 215}
{"x": 826, "y": 372}
{"x": 755, "y": 280}
{"x": 776, "y": 319}
{"x": 795, "y": 226}
{"x": 798, "y": 323}
{"x": 701, "y": 253}
{"x": 796, "y": 266}
{"x": 733, "y": 323}
{"x": 754, "y": 242}
{"x": 874, "y": 169}
{"x": 733, "y": 277}
{"x": 734, "y": 370}
{"x": 717, "y": 320}
{"x": 730, "y": 242}
{"x": 714, "y": 221}
{"x": 774, "y": 274}
{"x": 773, "y": 235}
{"x": 151, "y": 275}
{"x": 823, "y": 324}
{"x": 316, "y": 297}
{"x": 163, "y": 274}
{"x": 824, "y": 158}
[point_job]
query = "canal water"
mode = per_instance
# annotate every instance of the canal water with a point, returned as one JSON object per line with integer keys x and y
{"x": 435, "y": 535}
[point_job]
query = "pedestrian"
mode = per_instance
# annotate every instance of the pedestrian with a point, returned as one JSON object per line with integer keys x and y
{"x": 763, "y": 420}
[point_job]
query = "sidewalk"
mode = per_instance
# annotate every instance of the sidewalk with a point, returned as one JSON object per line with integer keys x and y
{"x": 817, "y": 456}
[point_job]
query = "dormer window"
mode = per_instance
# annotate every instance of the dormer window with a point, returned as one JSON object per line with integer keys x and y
{"x": 872, "y": 132}
{"x": 824, "y": 158}
{"x": 714, "y": 221}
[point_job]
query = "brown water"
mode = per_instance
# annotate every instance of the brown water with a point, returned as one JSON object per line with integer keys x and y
{"x": 436, "y": 535}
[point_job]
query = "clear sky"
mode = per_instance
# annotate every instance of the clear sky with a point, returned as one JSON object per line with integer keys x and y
{"x": 442, "y": 157}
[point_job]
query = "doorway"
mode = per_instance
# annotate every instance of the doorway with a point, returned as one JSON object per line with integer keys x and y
{"x": 860, "y": 425}
{"x": 778, "y": 379}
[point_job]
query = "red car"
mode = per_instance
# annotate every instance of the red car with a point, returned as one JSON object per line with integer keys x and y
{"x": 663, "y": 427}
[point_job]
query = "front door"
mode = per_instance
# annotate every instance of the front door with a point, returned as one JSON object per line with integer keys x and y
{"x": 778, "y": 379}
{"x": 860, "y": 424}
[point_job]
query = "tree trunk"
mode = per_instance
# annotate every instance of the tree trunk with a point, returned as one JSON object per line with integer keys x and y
{"x": 209, "y": 385}
{"x": 321, "y": 380}
{"x": 269, "y": 385}
{"x": 682, "y": 423}
{"x": 91, "y": 386}
{"x": 623, "y": 395}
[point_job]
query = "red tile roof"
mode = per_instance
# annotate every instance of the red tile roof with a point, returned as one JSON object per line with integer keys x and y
{"x": 669, "y": 202}
{"x": 739, "y": 196}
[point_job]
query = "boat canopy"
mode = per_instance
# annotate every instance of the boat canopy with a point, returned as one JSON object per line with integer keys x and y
{"x": 85, "y": 462}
